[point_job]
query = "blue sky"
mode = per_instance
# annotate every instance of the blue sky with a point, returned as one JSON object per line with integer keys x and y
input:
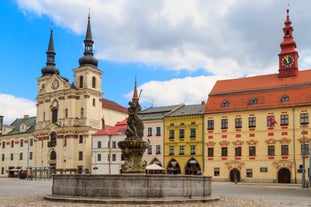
{"x": 176, "y": 49}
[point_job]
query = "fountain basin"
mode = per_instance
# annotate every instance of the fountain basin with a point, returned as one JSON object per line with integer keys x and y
{"x": 132, "y": 186}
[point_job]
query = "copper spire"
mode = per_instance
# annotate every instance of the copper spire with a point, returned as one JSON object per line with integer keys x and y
{"x": 135, "y": 95}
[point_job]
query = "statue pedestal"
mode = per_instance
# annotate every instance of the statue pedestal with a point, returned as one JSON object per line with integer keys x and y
{"x": 133, "y": 149}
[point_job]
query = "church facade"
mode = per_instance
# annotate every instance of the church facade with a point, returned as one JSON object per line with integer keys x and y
{"x": 69, "y": 113}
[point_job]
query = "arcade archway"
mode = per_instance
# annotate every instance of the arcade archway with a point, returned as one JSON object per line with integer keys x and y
{"x": 193, "y": 167}
{"x": 173, "y": 167}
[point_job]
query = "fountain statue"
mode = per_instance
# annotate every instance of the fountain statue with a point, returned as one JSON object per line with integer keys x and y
{"x": 133, "y": 147}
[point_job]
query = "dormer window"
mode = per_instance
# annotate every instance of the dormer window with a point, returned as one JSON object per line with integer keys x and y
{"x": 253, "y": 101}
{"x": 285, "y": 98}
{"x": 225, "y": 104}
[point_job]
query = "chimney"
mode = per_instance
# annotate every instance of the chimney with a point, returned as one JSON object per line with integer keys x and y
{"x": 26, "y": 116}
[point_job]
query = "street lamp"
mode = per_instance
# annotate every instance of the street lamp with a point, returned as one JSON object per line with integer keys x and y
{"x": 303, "y": 173}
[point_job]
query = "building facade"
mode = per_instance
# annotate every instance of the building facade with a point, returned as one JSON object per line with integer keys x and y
{"x": 257, "y": 127}
{"x": 17, "y": 146}
{"x": 154, "y": 132}
{"x": 69, "y": 113}
{"x": 106, "y": 155}
{"x": 183, "y": 140}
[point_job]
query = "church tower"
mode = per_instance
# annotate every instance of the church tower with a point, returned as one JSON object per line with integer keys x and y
{"x": 88, "y": 81}
{"x": 68, "y": 113}
{"x": 288, "y": 58}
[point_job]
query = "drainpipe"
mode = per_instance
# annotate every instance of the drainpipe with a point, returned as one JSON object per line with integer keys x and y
{"x": 294, "y": 146}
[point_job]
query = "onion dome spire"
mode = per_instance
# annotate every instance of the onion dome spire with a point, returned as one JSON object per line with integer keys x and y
{"x": 50, "y": 68}
{"x": 88, "y": 58}
{"x": 288, "y": 40}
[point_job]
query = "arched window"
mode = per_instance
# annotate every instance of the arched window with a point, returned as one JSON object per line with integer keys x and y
{"x": 81, "y": 81}
{"x": 66, "y": 113}
{"x": 53, "y": 155}
{"x": 82, "y": 113}
{"x": 53, "y": 137}
{"x": 54, "y": 114}
{"x": 93, "y": 82}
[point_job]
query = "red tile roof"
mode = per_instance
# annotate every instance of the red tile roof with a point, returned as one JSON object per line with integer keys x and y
{"x": 119, "y": 128}
{"x": 267, "y": 89}
{"x": 108, "y": 104}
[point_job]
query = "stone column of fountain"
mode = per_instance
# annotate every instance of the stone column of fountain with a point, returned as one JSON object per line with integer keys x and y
{"x": 133, "y": 147}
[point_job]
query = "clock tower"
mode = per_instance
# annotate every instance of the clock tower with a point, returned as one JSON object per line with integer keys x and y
{"x": 288, "y": 58}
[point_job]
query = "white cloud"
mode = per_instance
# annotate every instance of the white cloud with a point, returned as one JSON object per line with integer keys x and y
{"x": 14, "y": 107}
{"x": 226, "y": 38}
{"x": 190, "y": 90}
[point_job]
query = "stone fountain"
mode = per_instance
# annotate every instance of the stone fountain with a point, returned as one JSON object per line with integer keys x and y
{"x": 132, "y": 186}
{"x": 133, "y": 147}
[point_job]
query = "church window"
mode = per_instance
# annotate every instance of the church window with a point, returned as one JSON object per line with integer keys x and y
{"x": 94, "y": 102}
{"x": 80, "y": 155}
{"x": 82, "y": 113}
{"x": 54, "y": 115}
{"x": 81, "y": 81}
{"x": 66, "y": 113}
{"x": 43, "y": 116}
{"x": 53, "y": 155}
{"x": 93, "y": 82}
{"x": 53, "y": 137}
{"x": 81, "y": 139}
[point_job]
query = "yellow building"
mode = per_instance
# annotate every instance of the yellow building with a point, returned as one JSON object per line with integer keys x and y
{"x": 183, "y": 140}
{"x": 257, "y": 127}
{"x": 69, "y": 113}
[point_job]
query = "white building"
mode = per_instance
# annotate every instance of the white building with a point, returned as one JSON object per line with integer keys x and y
{"x": 106, "y": 155}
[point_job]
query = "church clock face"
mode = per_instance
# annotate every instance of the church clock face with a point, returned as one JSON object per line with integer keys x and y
{"x": 287, "y": 61}
{"x": 55, "y": 84}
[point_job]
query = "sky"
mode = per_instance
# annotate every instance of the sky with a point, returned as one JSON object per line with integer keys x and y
{"x": 176, "y": 49}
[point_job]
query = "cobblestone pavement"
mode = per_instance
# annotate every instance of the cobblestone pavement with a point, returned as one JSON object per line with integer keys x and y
{"x": 15, "y": 193}
{"x": 38, "y": 200}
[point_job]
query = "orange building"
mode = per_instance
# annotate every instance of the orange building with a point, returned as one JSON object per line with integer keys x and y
{"x": 257, "y": 126}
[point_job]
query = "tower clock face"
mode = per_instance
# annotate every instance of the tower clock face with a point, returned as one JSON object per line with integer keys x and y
{"x": 287, "y": 61}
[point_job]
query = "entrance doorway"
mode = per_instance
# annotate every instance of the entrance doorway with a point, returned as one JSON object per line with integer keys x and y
{"x": 284, "y": 176}
{"x": 235, "y": 175}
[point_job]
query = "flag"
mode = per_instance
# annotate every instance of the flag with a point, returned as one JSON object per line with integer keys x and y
{"x": 272, "y": 121}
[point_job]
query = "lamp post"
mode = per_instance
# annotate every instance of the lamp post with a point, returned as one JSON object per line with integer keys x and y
{"x": 303, "y": 173}
{"x": 27, "y": 168}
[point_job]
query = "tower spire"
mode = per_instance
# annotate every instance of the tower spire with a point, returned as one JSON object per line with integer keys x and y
{"x": 288, "y": 58}
{"x": 88, "y": 58}
{"x": 50, "y": 68}
{"x": 135, "y": 98}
